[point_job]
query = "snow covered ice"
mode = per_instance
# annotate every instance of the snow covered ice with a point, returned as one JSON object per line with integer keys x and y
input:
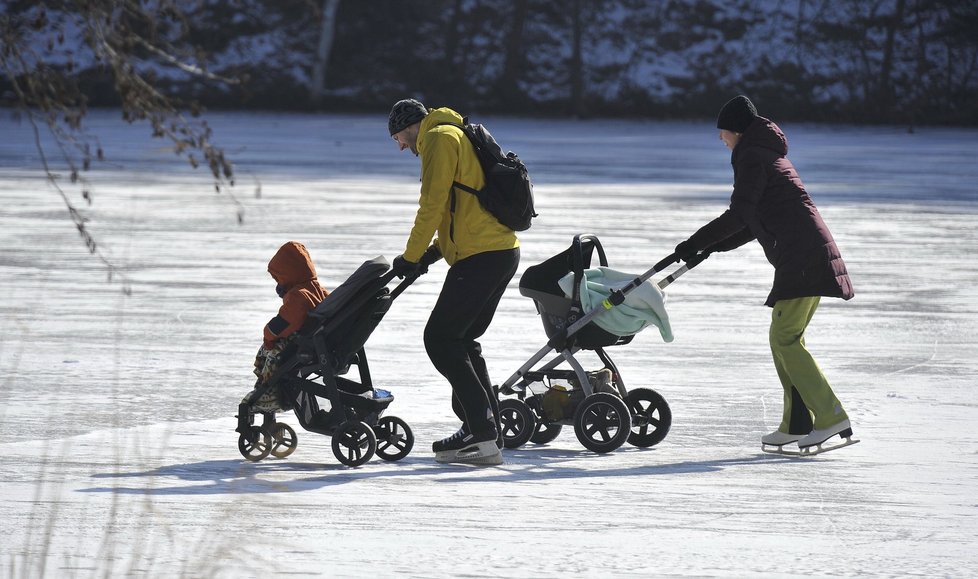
{"x": 117, "y": 437}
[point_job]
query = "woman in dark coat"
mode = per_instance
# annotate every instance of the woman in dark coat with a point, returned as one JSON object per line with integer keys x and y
{"x": 770, "y": 204}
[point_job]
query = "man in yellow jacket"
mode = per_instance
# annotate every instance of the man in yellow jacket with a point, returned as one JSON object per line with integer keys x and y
{"x": 483, "y": 255}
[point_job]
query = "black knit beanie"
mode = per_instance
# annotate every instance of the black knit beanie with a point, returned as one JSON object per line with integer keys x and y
{"x": 737, "y": 114}
{"x": 405, "y": 113}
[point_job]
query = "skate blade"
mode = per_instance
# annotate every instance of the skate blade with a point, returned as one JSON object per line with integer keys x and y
{"x": 483, "y": 453}
{"x": 776, "y": 449}
{"x": 809, "y": 450}
{"x": 823, "y": 447}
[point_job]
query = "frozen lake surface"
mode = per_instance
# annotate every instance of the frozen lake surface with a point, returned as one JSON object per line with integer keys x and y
{"x": 117, "y": 415}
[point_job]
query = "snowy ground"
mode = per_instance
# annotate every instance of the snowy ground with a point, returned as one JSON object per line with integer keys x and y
{"x": 117, "y": 412}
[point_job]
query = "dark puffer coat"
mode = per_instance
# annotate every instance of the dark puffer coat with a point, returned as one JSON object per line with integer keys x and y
{"x": 770, "y": 204}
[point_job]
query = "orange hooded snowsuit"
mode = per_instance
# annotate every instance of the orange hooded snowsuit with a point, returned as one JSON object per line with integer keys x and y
{"x": 293, "y": 270}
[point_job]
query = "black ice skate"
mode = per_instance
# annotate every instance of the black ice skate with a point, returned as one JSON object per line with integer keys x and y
{"x": 469, "y": 448}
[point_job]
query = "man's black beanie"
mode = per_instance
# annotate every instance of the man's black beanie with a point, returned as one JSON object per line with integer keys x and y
{"x": 737, "y": 114}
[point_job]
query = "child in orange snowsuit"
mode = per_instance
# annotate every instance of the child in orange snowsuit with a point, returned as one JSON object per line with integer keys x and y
{"x": 295, "y": 275}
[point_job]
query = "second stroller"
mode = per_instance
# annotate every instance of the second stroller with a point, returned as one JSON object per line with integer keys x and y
{"x": 603, "y": 412}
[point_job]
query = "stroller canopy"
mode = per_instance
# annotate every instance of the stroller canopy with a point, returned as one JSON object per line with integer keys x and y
{"x": 362, "y": 284}
{"x": 643, "y": 306}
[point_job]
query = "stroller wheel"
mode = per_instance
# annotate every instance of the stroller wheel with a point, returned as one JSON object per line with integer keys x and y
{"x": 545, "y": 432}
{"x": 394, "y": 438}
{"x": 517, "y": 421}
{"x": 283, "y": 440}
{"x": 602, "y": 422}
{"x": 255, "y": 444}
{"x": 651, "y": 417}
{"x": 354, "y": 443}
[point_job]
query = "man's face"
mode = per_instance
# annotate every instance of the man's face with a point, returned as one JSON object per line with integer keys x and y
{"x": 408, "y": 138}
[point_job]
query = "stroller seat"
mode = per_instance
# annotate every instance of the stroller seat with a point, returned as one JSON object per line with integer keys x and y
{"x": 557, "y": 311}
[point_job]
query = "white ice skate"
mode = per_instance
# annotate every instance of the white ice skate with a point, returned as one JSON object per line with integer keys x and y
{"x": 468, "y": 448}
{"x": 775, "y": 442}
{"x": 815, "y": 442}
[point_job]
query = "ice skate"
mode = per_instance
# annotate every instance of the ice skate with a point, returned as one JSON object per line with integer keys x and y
{"x": 469, "y": 448}
{"x": 814, "y": 442}
{"x": 775, "y": 442}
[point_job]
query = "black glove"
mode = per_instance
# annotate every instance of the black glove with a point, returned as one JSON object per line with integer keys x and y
{"x": 685, "y": 251}
{"x": 431, "y": 255}
{"x": 403, "y": 268}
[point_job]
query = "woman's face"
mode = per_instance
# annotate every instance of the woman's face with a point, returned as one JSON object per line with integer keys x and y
{"x": 729, "y": 138}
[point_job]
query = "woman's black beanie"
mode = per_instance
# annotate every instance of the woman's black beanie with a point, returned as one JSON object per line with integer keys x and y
{"x": 737, "y": 114}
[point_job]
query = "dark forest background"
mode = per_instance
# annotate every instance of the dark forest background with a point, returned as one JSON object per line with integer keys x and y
{"x": 864, "y": 61}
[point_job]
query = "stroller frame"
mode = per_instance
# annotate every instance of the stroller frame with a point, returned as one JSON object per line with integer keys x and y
{"x": 603, "y": 417}
{"x": 328, "y": 345}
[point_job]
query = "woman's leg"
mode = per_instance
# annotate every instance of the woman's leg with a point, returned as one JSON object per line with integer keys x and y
{"x": 797, "y": 368}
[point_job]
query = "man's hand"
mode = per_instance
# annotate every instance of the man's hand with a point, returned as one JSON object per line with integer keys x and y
{"x": 431, "y": 255}
{"x": 403, "y": 268}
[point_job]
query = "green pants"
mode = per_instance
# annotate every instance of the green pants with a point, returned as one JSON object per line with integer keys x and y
{"x": 807, "y": 393}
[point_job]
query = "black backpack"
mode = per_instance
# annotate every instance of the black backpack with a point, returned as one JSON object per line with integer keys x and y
{"x": 508, "y": 193}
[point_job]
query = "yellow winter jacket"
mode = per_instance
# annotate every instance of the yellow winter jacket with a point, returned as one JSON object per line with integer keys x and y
{"x": 447, "y": 156}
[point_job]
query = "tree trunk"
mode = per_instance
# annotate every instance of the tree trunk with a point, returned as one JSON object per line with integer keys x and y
{"x": 884, "y": 90}
{"x": 450, "y": 83}
{"x": 577, "y": 61}
{"x": 509, "y": 92}
{"x": 327, "y": 34}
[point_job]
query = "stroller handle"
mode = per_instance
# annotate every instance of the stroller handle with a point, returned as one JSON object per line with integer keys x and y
{"x": 579, "y": 241}
{"x": 675, "y": 258}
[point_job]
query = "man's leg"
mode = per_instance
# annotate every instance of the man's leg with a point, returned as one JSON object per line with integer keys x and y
{"x": 472, "y": 290}
{"x": 789, "y": 320}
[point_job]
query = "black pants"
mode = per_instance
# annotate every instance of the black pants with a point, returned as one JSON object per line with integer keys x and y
{"x": 465, "y": 307}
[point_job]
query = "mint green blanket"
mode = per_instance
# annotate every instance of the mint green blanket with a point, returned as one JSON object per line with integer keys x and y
{"x": 643, "y": 306}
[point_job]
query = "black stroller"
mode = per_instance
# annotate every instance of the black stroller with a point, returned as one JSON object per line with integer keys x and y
{"x": 330, "y": 342}
{"x": 604, "y": 414}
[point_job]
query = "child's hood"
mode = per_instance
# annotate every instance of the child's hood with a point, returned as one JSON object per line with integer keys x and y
{"x": 291, "y": 264}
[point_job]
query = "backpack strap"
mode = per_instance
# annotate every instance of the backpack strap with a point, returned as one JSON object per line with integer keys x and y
{"x": 465, "y": 187}
{"x": 456, "y": 184}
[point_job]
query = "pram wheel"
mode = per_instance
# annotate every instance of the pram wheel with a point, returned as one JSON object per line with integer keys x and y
{"x": 283, "y": 440}
{"x": 602, "y": 422}
{"x": 255, "y": 444}
{"x": 354, "y": 443}
{"x": 517, "y": 421}
{"x": 651, "y": 417}
{"x": 394, "y": 438}
{"x": 545, "y": 432}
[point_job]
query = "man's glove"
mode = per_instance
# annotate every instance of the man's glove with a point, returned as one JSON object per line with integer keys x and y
{"x": 403, "y": 268}
{"x": 431, "y": 255}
